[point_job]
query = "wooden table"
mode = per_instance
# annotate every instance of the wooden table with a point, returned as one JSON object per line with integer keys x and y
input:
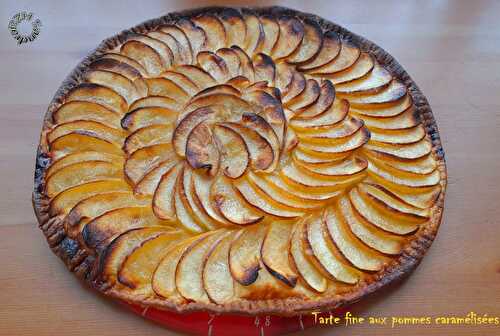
{"x": 452, "y": 50}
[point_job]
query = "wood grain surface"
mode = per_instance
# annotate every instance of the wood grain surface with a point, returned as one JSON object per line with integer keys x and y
{"x": 450, "y": 48}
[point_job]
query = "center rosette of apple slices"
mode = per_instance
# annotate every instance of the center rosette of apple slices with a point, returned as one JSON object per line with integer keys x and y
{"x": 232, "y": 127}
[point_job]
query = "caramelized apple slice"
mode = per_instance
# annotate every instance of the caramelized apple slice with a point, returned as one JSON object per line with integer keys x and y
{"x": 244, "y": 254}
{"x": 232, "y": 206}
{"x": 189, "y": 271}
{"x": 163, "y": 199}
{"x": 156, "y": 101}
{"x": 166, "y": 88}
{"x": 173, "y": 53}
{"x": 271, "y": 33}
{"x": 347, "y": 56}
{"x": 214, "y": 65}
{"x": 338, "y": 149}
{"x": 328, "y": 52}
{"x": 350, "y": 246}
{"x": 87, "y": 127}
{"x": 232, "y": 60}
{"x": 367, "y": 211}
{"x": 323, "y": 249}
{"x": 182, "y": 210}
{"x": 361, "y": 68}
{"x": 416, "y": 150}
{"x": 234, "y": 26}
{"x": 407, "y": 119}
{"x": 336, "y": 113}
{"x": 282, "y": 187}
{"x": 186, "y": 125}
{"x": 148, "y": 136}
{"x": 321, "y": 105}
{"x": 310, "y": 45}
{"x": 290, "y": 37}
{"x": 137, "y": 270}
{"x": 333, "y": 135}
{"x": 394, "y": 92}
{"x": 147, "y": 116}
{"x": 217, "y": 279}
{"x": 148, "y": 183}
{"x": 145, "y": 55}
{"x": 375, "y": 81}
{"x": 306, "y": 98}
{"x": 116, "y": 82}
{"x": 259, "y": 124}
{"x": 422, "y": 166}
{"x": 200, "y": 77}
{"x": 276, "y": 241}
{"x": 196, "y": 36}
{"x": 234, "y": 152}
{"x": 254, "y": 39}
{"x": 391, "y": 109}
{"x": 95, "y": 93}
{"x": 67, "y": 199}
{"x": 265, "y": 69}
{"x": 185, "y": 50}
{"x": 246, "y": 66}
{"x": 79, "y": 173}
{"x": 398, "y": 137}
{"x": 126, "y": 60}
{"x": 337, "y": 170}
{"x": 145, "y": 159}
{"x": 214, "y": 29}
{"x": 98, "y": 232}
{"x": 404, "y": 182}
{"x": 307, "y": 270}
{"x": 81, "y": 157}
{"x": 201, "y": 149}
{"x": 182, "y": 81}
{"x": 295, "y": 87}
{"x": 161, "y": 48}
{"x": 116, "y": 252}
{"x": 84, "y": 110}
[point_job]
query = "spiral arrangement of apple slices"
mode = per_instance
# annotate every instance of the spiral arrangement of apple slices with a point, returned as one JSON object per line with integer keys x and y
{"x": 239, "y": 156}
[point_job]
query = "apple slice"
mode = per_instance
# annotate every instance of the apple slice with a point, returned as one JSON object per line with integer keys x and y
{"x": 398, "y": 137}
{"x": 224, "y": 89}
{"x": 116, "y": 252}
{"x": 254, "y": 39}
{"x": 67, "y": 199}
{"x": 145, "y": 55}
{"x": 422, "y": 166}
{"x": 333, "y": 135}
{"x": 174, "y": 49}
{"x": 226, "y": 106}
{"x": 328, "y": 52}
{"x": 185, "y": 50}
{"x": 325, "y": 252}
{"x": 314, "y": 158}
{"x": 336, "y": 113}
{"x": 145, "y": 159}
{"x": 182, "y": 210}
{"x": 294, "y": 87}
{"x": 197, "y": 37}
{"x": 231, "y": 205}
{"x": 125, "y": 60}
{"x": 321, "y": 105}
{"x": 79, "y": 173}
{"x": 181, "y": 80}
{"x": 156, "y": 101}
{"x": 310, "y": 45}
{"x": 148, "y": 183}
{"x": 202, "y": 185}
{"x": 391, "y": 109}
{"x": 75, "y": 142}
{"x": 262, "y": 201}
{"x": 137, "y": 270}
{"x": 148, "y": 136}
{"x": 95, "y": 93}
{"x": 163, "y": 198}
{"x": 271, "y": 33}
{"x": 370, "y": 235}
{"x": 161, "y": 48}
{"x": 388, "y": 201}
{"x": 235, "y": 27}
{"x": 114, "y": 81}
{"x": 235, "y": 158}
{"x": 394, "y": 92}
{"x": 259, "y": 124}
{"x": 246, "y": 65}
{"x": 404, "y": 182}
{"x": 147, "y": 116}
{"x": 290, "y": 37}
{"x": 214, "y": 30}
{"x": 360, "y": 255}
{"x": 214, "y": 65}
{"x": 416, "y": 150}
{"x": 348, "y": 55}
{"x": 166, "y": 88}
{"x": 189, "y": 271}
{"x": 232, "y": 60}
{"x": 260, "y": 150}
{"x": 186, "y": 125}
{"x": 409, "y": 118}
{"x": 284, "y": 75}
{"x": 337, "y": 170}
{"x": 275, "y": 243}
{"x": 375, "y": 81}
{"x": 81, "y": 157}
{"x": 101, "y": 230}
{"x": 201, "y": 149}
{"x": 164, "y": 276}
{"x": 217, "y": 279}
{"x": 87, "y": 127}
{"x": 265, "y": 69}
{"x": 83, "y": 110}
{"x": 368, "y": 212}
{"x": 363, "y": 66}
{"x": 244, "y": 254}
{"x": 306, "y": 98}
{"x": 307, "y": 270}
{"x": 200, "y": 77}
{"x": 96, "y": 205}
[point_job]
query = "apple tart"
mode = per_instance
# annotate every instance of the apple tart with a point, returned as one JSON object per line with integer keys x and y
{"x": 239, "y": 160}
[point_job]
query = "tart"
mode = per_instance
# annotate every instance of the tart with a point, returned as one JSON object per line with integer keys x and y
{"x": 239, "y": 161}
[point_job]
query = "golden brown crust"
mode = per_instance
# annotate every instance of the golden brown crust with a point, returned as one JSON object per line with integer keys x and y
{"x": 83, "y": 263}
